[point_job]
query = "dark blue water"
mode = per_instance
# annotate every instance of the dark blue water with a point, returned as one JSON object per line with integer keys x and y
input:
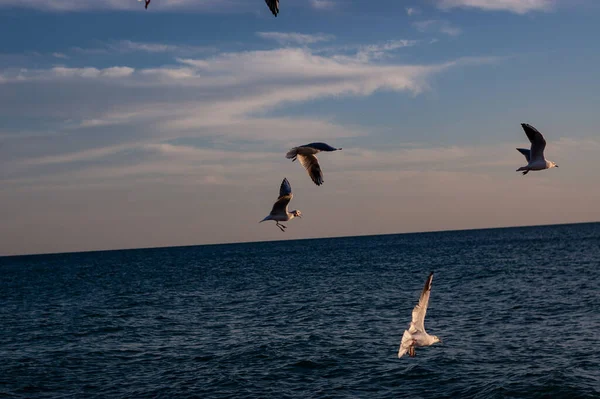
{"x": 518, "y": 311}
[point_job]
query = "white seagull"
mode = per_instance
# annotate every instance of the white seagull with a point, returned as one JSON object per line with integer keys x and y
{"x": 280, "y": 212}
{"x": 535, "y": 156}
{"x": 416, "y": 334}
{"x": 273, "y": 6}
{"x": 306, "y": 155}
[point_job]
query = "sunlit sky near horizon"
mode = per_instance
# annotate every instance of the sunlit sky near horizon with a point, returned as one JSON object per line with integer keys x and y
{"x": 123, "y": 128}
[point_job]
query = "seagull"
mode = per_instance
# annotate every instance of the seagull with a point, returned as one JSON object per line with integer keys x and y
{"x": 273, "y": 6}
{"x": 280, "y": 212}
{"x": 147, "y": 2}
{"x": 416, "y": 335}
{"x": 535, "y": 156}
{"x": 306, "y": 155}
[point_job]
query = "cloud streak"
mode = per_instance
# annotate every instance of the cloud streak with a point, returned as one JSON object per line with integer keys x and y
{"x": 295, "y": 38}
{"x": 515, "y": 6}
{"x": 89, "y": 5}
{"x": 434, "y": 26}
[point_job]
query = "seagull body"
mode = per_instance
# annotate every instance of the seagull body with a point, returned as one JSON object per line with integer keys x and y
{"x": 416, "y": 335}
{"x": 273, "y": 6}
{"x": 280, "y": 212}
{"x": 306, "y": 155}
{"x": 534, "y": 156}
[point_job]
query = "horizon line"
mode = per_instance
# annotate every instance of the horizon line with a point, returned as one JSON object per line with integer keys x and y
{"x": 294, "y": 239}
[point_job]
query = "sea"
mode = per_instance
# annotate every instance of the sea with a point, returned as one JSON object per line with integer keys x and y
{"x": 517, "y": 309}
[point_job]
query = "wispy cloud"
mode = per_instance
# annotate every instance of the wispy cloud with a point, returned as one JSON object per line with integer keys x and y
{"x": 515, "y": 6}
{"x": 86, "y": 5}
{"x": 61, "y": 73}
{"x": 60, "y": 55}
{"x": 410, "y": 11}
{"x": 129, "y": 46}
{"x": 230, "y": 95}
{"x": 435, "y": 25}
{"x": 295, "y": 38}
{"x": 323, "y": 4}
{"x": 126, "y": 46}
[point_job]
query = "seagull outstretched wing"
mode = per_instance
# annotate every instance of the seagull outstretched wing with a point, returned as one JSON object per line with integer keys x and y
{"x": 285, "y": 196}
{"x": 418, "y": 314}
{"x": 273, "y": 6}
{"x": 538, "y": 143}
{"x": 311, "y": 164}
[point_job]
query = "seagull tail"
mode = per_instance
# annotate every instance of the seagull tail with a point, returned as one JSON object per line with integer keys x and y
{"x": 265, "y": 219}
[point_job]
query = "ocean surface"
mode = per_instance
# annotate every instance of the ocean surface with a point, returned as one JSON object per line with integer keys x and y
{"x": 518, "y": 311}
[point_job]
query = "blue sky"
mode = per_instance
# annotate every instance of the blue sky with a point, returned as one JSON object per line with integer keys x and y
{"x": 123, "y": 127}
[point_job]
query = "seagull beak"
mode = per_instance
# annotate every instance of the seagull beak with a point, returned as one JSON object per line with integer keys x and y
{"x": 339, "y": 148}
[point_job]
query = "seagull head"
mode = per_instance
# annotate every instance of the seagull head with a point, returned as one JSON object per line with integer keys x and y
{"x": 436, "y": 339}
{"x": 554, "y": 165}
{"x": 297, "y": 214}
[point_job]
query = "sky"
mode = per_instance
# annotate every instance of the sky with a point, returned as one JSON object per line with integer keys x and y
{"x": 124, "y": 128}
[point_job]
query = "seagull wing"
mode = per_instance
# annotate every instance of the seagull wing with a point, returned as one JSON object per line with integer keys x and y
{"x": 320, "y": 146}
{"x": 405, "y": 344}
{"x": 311, "y": 164}
{"x": 285, "y": 196}
{"x": 525, "y": 152}
{"x": 538, "y": 144}
{"x": 273, "y": 6}
{"x": 418, "y": 313}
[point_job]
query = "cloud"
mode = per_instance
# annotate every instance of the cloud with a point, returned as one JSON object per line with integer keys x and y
{"x": 61, "y": 73}
{"x": 515, "y": 6}
{"x": 323, "y": 4}
{"x": 410, "y": 11}
{"x": 128, "y": 46}
{"x": 60, "y": 55}
{"x": 435, "y": 25}
{"x": 88, "y": 5}
{"x": 295, "y": 38}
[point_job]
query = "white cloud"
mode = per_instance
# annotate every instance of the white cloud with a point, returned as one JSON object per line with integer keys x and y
{"x": 295, "y": 38}
{"x": 410, "y": 11}
{"x": 323, "y": 4}
{"x": 61, "y": 72}
{"x": 515, "y": 6}
{"x": 435, "y": 25}
{"x": 60, "y": 55}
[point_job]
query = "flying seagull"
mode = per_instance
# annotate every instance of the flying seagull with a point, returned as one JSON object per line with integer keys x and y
{"x": 273, "y": 6}
{"x": 280, "y": 212}
{"x": 535, "y": 156}
{"x": 416, "y": 334}
{"x": 147, "y": 2}
{"x": 306, "y": 155}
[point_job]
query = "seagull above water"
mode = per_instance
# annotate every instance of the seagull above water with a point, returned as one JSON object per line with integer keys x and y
{"x": 416, "y": 334}
{"x": 280, "y": 212}
{"x": 535, "y": 156}
{"x": 306, "y": 155}
{"x": 273, "y": 6}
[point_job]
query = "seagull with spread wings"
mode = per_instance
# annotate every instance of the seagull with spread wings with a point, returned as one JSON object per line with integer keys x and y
{"x": 535, "y": 156}
{"x": 306, "y": 155}
{"x": 273, "y": 6}
{"x": 280, "y": 212}
{"x": 416, "y": 334}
